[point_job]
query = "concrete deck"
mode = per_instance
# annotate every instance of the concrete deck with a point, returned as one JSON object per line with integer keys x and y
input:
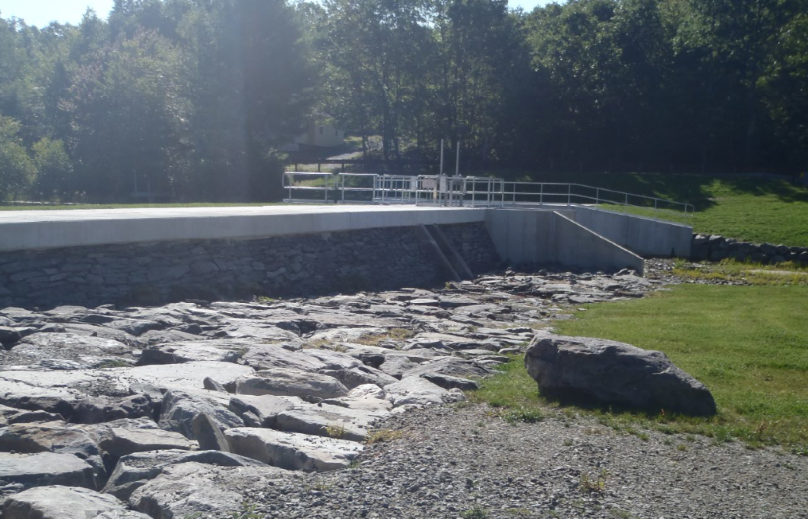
{"x": 31, "y": 230}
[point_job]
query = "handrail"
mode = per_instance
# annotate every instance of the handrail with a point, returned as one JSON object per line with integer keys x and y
{"x": 465, "y": 191}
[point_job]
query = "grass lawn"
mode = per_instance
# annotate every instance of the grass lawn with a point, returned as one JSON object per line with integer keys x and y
{"x": 750, "y": 209}
{"x": 749, "y": 345}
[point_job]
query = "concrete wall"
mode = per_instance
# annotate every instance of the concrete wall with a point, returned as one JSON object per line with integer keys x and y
{"x": 29, "y": 230}
{"x": 546, "y": 236}
{"x": 642, "y": 236}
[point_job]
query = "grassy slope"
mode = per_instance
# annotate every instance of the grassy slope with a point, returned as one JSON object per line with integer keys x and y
{"x": 749, "y": 345}
{"x": 751, "y": 209}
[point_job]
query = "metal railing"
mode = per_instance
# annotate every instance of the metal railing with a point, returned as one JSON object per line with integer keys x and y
{"x": 459, "y": 191}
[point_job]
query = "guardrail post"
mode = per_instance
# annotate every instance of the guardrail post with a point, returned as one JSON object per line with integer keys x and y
{"x": 541, "y": 193}
{"x": 343, "y": 187}
{"x": 569, "y": 195}
{"x": 656, "y": 216}
{"x": 597, "y": 196}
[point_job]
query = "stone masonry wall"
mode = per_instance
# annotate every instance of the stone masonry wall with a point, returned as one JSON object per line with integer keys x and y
{"x": 159, "y": 272}
{"x": 474, "y": 244}
{"x": 717, "y": 248}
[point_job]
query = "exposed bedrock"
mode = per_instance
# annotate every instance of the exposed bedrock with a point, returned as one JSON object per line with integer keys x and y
{"x": 185, "y": 409}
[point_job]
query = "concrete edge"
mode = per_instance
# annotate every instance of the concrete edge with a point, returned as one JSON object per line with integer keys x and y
{"x": 620, "y": 254}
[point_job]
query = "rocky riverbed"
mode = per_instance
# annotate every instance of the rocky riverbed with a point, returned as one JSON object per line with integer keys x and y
{"x": 273, "y": 409}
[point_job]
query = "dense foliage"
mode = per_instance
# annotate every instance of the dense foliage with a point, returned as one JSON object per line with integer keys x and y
{"x": 189, "y": 99}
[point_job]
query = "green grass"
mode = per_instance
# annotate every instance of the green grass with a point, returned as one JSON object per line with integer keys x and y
{"x": 749, "y": 345}
{"x": 755, "y": 274}
{"x": 750, "y": 209}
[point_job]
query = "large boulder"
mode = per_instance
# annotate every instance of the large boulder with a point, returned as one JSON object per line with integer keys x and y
{"x": 616, "y": 372}
{"x": 63, "y": 502}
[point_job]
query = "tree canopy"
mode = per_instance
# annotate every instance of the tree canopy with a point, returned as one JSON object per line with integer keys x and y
{"x": 191, "y": 99}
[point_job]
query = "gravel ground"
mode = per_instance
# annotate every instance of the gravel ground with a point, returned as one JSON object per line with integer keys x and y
{"x": 464, "y": 462}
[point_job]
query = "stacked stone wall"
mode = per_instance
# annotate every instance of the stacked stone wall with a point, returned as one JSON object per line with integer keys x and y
{"x": 474, "y": 244}
{"x": 295, "y": 265}
{"x": 717, "y": 248}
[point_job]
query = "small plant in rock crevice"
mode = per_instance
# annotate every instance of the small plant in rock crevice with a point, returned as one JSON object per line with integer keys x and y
{"x": 594, "y": 484}
{"x": 383, "y": 435}
{"x": 335, "y": 430}
{"x": 474, "y": 513}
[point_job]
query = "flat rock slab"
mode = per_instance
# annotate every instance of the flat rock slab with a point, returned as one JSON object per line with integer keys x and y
{"x": 66, "y": 351}
{"x": 292, "y": 451}
{"x": 418, "y": 391}
{"x": 63, "y": 502}
{"x": 135, "y": 470}
{"x": 290, "y": 382}
{"x": 262, "y": 410}
{"x": 198, "y": 490}
{"x": 46, "y": 468}
{"x": 612, "y": 371}
{"x": 330, "y": 421}
{"x": 121, "y": 441}
{"x": 194, "y": 351}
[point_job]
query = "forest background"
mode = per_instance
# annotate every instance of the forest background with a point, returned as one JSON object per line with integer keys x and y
{"x": 193, "y": 98}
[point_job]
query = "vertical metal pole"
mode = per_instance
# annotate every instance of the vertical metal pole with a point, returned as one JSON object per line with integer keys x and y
{"x": 441, "y": 157}
{"x": 343, "y": 188}
{"x": 514, "y": 193}
{"x": 474, "y": 188}
{"x": 597, "y": 196}
{"x": 626, "y": 204}
{"x": 457, "y": 164}
{"x": 541, "y": 194}
{"x": 655, "y": 209}
{"x": 569, "y": 194}
{"x": 326, "y": 189}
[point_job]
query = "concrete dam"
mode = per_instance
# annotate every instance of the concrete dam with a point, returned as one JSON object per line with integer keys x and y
{"x": 153, "y": 256}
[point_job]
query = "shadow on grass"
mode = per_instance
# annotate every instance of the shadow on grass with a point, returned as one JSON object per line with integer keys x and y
{"x": 699, "y": 190}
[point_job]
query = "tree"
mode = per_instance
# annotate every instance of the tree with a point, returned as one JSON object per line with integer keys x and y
{"x": 54, "y": 170}
{"x": 128, "y": 114}
{"x": 17, "y": 169}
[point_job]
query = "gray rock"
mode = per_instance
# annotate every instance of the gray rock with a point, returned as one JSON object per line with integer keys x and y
{"x": 293, "y": 451}
{"x": 64, "y": 502}
{"x": 46, "y": 468}
{"x": 180, "y": 408}
{"x": 268, "y": 356}
{"x": 212, "y": 385}
{"x": 360, "y": 375}
{"x": 397, "y": 365}
{"x": 99, "y": 410}
{"x": 120, "y": 441}
{"x": 263, "y": 409}
{"x": 56, "y": 437}
{"x": 418, "y": 391}
{"x": 193, "y": 351}
{"x": 208, "y": 434}
{"x": 290, "y": 382}
{"x": 198, "y": 490}
{"x": 333, "y": 421}
{"x": 450, "y": 382}
{"x": 612, "y": 371}
{"x": 126, "y": 514}
{"x": 452, "y": 366}
{"x": 67, "y": 351}
{"x": 135, "y": 470}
